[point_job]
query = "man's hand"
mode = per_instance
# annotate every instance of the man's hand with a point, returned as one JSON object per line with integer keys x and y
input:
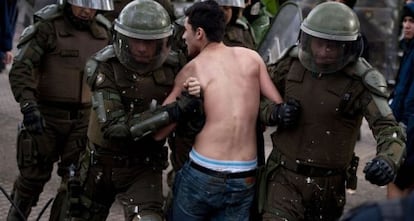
{"x": 287, "y": 114}
{"x": 193, "y": 86}
{"x": 8, "y": 57}
{"x": 186, "y": 106}
{"x": 379, "y": 171}
{"x": 32, "y": 118}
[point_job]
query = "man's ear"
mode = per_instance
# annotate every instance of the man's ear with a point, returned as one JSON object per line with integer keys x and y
{"x": 200, "y": 33}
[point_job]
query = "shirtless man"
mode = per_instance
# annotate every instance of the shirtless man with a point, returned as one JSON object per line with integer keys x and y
{"x": 218, "y": 181}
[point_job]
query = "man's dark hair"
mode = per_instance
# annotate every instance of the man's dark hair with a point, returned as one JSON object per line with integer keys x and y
{"x": 208, "y": 16}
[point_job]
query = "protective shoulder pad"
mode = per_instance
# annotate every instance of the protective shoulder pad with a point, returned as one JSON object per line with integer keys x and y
{"x": 48, "y": 12}
{"x": 371, "y": 77}
{"x": 27, "y": 34}
{"x": 103, "y": 21}
{"x": 291, "y": 51}
{"x": 173, "y": 59}
{"x": 92, "y": 64}
{"x": 180, "y": 21}
{"x": 105, "y": 53}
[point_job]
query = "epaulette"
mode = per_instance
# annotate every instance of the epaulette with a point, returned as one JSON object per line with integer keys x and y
{"x": 100, "y": 19}
{"x": 47, "y": 13}
{"x": 370, "y": 76}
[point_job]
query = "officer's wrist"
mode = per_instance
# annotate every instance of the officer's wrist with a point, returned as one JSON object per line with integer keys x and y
{"x": 27, "y": 105}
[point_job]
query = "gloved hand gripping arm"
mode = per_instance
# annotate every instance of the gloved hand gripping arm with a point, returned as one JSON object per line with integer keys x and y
{"x": 285, "y": 115}
{"x": 150, "y": 121}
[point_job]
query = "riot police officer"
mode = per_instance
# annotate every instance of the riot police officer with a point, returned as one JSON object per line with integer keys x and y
{"x": 238, "y": 31}
{"x": 47, "y": 80}
{"x": 310, "y": 164}
{"x": 131, "y": 76}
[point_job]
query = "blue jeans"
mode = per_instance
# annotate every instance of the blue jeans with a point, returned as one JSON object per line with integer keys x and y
{"x": 198, "y": 196}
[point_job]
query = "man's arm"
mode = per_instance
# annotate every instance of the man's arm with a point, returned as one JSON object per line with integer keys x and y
{"x": 390, "y": 141}
{"x": 167, "y": 114}
{"x": 267, "y": 87}
{"x": 34, "y": 42}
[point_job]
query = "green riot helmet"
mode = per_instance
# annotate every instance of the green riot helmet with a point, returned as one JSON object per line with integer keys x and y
{"x": 104, "y": 5}
{"x": 142, "y": 32}
{"x": 329, "y": 38}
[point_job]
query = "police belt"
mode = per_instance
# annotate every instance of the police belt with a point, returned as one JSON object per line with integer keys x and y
{"x": 64, "y": 111}
{"x": 119, "y": 161}
{"x": 224, "y": 175}
{"x": 307, "y": 170}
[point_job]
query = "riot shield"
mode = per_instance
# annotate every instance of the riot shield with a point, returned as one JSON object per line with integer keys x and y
{"x": 283, "y": 32}
{"x": 307, "y": 5}
{"x": 381, "y": 24}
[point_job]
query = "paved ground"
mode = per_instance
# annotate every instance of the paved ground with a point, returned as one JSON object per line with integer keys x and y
{"x": 10, "y": 116}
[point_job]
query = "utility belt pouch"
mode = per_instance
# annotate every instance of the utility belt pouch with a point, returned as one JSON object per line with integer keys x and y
{"x": 26, "y": 149}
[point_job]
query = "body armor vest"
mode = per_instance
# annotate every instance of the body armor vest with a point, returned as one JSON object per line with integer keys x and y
{"x": 61, "y": 72}
{"x": 328, "y": 129}
{"x": 137, "y": 93}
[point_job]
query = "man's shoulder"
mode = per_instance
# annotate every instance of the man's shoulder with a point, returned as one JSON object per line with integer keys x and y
{"x": 243, "y": 52}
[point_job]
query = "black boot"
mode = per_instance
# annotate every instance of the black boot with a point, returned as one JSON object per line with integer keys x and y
{"x": 24, "y": 206}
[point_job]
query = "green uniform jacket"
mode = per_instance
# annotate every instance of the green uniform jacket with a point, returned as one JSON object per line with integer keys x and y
{"x": 333, "y": 106}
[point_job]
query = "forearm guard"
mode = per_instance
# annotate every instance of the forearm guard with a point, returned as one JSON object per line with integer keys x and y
{"x": 150, "y": 121}
{"x": 182, "y": 110}
{"x": 391, "y": 145}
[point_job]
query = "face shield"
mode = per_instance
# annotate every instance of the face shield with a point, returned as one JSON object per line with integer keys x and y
{"x": 141, "y": 55}
{"x": 104, "y": 5}
{"x": 326, "y": 56}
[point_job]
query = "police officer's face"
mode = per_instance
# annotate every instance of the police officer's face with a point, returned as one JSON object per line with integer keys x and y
{"x": 408, "y": 27}
{"x": 83, "y": 13}
{"x": 326, "y": 51}
{"x": 228, "y": 13}
{"x": 143, "y": 51}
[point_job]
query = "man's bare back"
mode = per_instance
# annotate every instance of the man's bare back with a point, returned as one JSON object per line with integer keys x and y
{"x": 231, "y": 89}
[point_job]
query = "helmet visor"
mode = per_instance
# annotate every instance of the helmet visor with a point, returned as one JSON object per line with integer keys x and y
{"x": 104, "y": 5}
{"x": 140, "y": 55}
{"x": 326, "y": 56}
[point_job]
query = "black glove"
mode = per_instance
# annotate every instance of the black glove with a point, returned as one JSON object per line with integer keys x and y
{"x": 32, "y": 118}
{"x": 118, "y": 131}
{"x": 187, "y": 106}
{"x": 287, "y": 114}
{"x": 379, "y": 171}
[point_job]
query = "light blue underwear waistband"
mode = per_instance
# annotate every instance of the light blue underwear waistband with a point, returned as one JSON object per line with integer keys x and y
{"x": 222, "y": 165}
